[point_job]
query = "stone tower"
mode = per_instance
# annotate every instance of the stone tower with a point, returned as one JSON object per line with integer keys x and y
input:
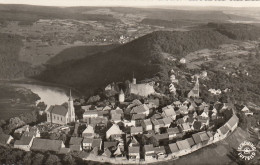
{"x": 121, "y": 96}
{"x": 71, "y": 110}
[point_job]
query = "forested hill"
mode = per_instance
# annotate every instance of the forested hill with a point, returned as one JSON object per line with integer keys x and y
{"x": 142, "y": 56}
{"x": 10, "y": 66}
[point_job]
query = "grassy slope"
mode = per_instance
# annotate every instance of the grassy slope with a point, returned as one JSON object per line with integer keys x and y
{"x": 142, "y": 56}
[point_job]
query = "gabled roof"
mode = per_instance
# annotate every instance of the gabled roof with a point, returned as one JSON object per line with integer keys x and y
{"x": 147, "y": 122}
{"x": 174, "y": 130}
{"x": 148, "y": 148}
{"x": 88, "y": 140}
{"x": 196, "y": 138}
{"x": 169, "y": 111}
{"x": 58, "y": 109}
{"x": 140, "y": 109}
{"x": 136, "y": 102}
{"x": 46, "y": 145}
{"x": 204, "y": 136}
{"x": 75, "y": 147}
{"x": 4, "y": 138}
{"x": 115, "y": 130}
{"x": 160, "y": 149}
{"x": 89, "y": 129}
{"x": 92, "y": 112}
{"x": 109, "y": 144}
{"x": 186, "y": 126}
{"x": 96, "y": 143}
{"x": 224, "y": 129}
{"x": 173, "y": 147}
{"x": 138, "y": 116}
{"x": 155, "y": 122}
{"x": 107, "y": 153}
{"x": 183, "y": 144}
{"x": 136, "y": 129}
{"x": 191, "y": 141}
{"x": 25, "y": 140}
{"x": 161, "y": 136}
{"x": 245, "y": 109}
{"x": 76, "y": 140}
{"x": 134, "y": 150}
{"x": 167, "y": 120}
{"x": 232, "y": 121}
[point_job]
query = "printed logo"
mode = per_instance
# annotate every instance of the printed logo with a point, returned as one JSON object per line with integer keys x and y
{"x": 247, "y": 150}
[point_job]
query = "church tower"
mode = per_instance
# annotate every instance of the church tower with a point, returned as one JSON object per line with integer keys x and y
{"x": 71, "y": 110}
{"x": 134, "y": 79}
{"x": 121, "y": 96}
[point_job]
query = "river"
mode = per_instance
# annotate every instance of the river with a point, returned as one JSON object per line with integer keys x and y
{"x": 49, "y": 94}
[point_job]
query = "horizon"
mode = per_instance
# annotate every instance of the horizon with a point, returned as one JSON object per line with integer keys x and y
{"x": 136, "y": 3}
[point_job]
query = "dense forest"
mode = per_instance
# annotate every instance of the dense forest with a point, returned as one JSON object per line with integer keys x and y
{"x": 142, "y": 56}
{"x": 10, "y": 66}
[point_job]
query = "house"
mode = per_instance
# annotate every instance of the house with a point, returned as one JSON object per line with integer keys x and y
{"x": 76, "y": 143}
{"x": 59, "y": 114}
{"x": 117, "y": 111}
{"x": 159, "y": 139}
{"x": 116, "y": 118}
{"x": 134, "y": 153}
{"x": 87, "y": 143}
{"x": 247, "y": 111}
{"x": 204, "y": 115}
{"x": 174, "y": 149}
{"x": 168, "y": 111}
{"x": 204, "y": 121}
{"x": 138, "y": 116}
{"x": 47, "y": 145}
{"x": 156, "y": 125}
{"x": 184, "y": 147}
{"x": 147, "y": 125}
{"x": 106, "y": 108}
{"x": 221, "y": 133}
{"x": 184, "y": 110}
{"x": 197, "y": 140}
{"x": 96, "y": 143}
{"x": 5, "y": 139}
{"x": 177, "y": 103}
{"x": 232, "y": 123}
{"x": 141, "y": 109}
{"x": 90, "y": 115}
{"x": 141, "y": 89}
{"x": 24, "y": 143}
{"x": 110, "y": 144}
{"x": 211, "y": 137}
{"x": 167, "y": 121}
{"x": 133, "y": 142}
{"x": 114, "y": 132}
{"x": 88, "y": 132}
{"x": 149, "y": 152}
{"x": 185, "y": 127}
{"x": 160, "y": 152}
{"x": 136, "y": 130}
{"x": 204, "y": 137}
{"x": 191, "y": 143}
{"x": 173, "y": 132}
{"x": 152, "y": 103}
{"x": 130, "y": 123}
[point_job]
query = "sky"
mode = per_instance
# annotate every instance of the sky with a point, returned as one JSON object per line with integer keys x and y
{"x": 137, "y": 3}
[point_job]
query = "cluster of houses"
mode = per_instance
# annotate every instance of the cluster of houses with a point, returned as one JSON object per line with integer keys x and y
{"x": 135, "y": 130}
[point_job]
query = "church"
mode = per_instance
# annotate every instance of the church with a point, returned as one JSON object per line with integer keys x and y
{"x": 195, "y": 91}
{"x": 61, "y": 114}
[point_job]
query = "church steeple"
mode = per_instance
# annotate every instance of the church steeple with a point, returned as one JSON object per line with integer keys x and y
{"x": 71, "y": 111}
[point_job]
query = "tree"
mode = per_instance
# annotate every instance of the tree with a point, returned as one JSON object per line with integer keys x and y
{"x": 27, "y": 159}
{"x": 38, "y": 159}
{"x": 68, "y": 159}
{"x": 52, "y": 160}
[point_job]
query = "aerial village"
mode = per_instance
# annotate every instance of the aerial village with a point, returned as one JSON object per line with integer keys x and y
{"x": 133, "y": 131}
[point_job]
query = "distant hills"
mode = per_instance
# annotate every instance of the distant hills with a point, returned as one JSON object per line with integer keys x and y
{"x": 142, "y": 56}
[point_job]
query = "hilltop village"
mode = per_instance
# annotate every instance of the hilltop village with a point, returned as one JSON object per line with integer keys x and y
{"x": 128, "y": 129}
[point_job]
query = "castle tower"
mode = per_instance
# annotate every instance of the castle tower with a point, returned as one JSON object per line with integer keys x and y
{"x": 121, "y": 96}
{"x": 71, "y": 110}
